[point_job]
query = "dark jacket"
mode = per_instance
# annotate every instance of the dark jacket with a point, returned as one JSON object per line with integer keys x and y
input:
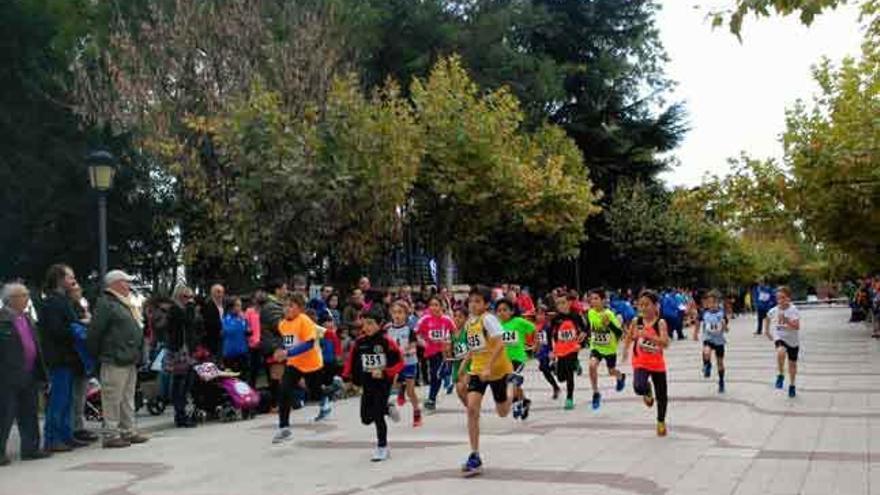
{"x": 115, "y": 337}
{"x": 373, "y": 350}
{"x": 271, "y": 314}
{"x": 12, "y": 352}
{"x": 55, "y": 315}
{"x": 213, "y": 326}
{"x": 182, "y": 328}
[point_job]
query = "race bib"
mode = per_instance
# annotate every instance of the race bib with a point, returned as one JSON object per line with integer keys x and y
{"x": 764, "y": 297}
{"x": 372, "y": 362}
{"x": 288, "y": 341}
{"x": 566, "y": 335}
{"x": 713, "y": 328}
{"x": 648, "y": 346}
{"x": 476, "y": 342}
{"x": 541, "y": 338}
{"x": 509, "y": 337}
{"x": 437, "y": 335}
{"x": 601, "y": 338}
{"x": 459, "y": 350}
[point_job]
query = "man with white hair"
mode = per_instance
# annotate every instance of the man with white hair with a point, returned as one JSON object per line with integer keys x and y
{"x": 116, "y": 340}
{"x": 21, "y": 372}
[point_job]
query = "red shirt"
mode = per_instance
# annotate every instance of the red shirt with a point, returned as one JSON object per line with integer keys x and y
{"x": 647, "y": 354}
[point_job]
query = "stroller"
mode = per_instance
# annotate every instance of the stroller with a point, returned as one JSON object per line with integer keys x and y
{"x": 154, "y": 401}
{"x": 221, "y": 395}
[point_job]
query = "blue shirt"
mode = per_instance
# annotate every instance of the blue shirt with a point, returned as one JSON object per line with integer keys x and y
{"x": 235, "y": 330}
{"x": 712, "y": 326}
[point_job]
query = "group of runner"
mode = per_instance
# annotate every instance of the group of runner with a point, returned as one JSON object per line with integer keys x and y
{"x": 486, "y": 345}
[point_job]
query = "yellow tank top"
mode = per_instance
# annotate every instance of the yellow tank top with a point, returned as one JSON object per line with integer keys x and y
{"x": 481, "y": 351}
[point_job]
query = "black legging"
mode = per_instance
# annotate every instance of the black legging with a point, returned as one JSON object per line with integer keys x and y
{"x": 642, "y": 387}
{"x": 565, "y": 369}
{"x": 544, "y": 366}
{"x": 374, "y": 407}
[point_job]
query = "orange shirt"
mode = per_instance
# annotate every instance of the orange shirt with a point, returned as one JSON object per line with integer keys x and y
{"x": 647, "y": 354}
{"x": 302, "y": 329}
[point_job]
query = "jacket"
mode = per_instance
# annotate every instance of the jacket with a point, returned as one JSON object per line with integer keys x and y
{"x": 271, "y": 314}
{"x": 56, "y": 315}
{"x": 182, "y": 329}
{"x": 235, "y": 333}
{"x": 115, "y": 337}
{"x": 373, "y": 350}
{"x": 12, "y": 352}
{"x": 213, "y": 326}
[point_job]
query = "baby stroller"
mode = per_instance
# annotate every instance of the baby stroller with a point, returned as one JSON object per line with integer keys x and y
{"x": 221, "y": 395}
{"x": 154, "y": 401}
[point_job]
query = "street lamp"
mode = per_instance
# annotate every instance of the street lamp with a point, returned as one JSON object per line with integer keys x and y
{"x": 102, "y": 169}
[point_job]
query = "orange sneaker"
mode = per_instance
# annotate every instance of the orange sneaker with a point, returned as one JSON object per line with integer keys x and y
{"x": 661, "y": 429}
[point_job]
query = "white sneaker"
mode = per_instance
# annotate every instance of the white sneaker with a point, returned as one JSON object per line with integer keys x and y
{"x": 380, "y": 454}
{"x": 393, "y": 413}
{"x": 283, "y": 435}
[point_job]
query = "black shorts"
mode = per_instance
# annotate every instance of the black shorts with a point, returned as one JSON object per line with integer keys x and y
{"x": 791, "y": 351}
{"x": 718, "y": 348}
{"x": 610, "y": 359}
{"x": 499, "y": 387}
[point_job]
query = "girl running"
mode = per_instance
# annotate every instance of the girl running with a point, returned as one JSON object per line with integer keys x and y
{"x": 405, "y": 338}
{"x": 516, "y": 331}
{"x": 434, "y": 330}
{"x": 568, "y": 331}
{"x": 544, "y": 349}
{"x": 649, "y": 335}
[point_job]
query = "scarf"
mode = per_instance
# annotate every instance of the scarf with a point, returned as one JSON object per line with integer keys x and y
{"x": 126, "y": 300}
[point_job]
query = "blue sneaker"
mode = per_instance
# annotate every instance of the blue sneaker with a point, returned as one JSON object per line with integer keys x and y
{"x": 597, "y": 401}
{"x": 707, "y": 370}
{"x": 473, "y": 466}
{"x": 517, "y": 409}
{"x": 720, "y": 386}
{"x": 780, "y": 380}
{"x": 791, "y": 391}
{"x": 325, "y": 410}
{"x": 621, "y": 382}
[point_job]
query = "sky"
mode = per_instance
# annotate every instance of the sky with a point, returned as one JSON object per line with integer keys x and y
{"x": 736, "y": 93}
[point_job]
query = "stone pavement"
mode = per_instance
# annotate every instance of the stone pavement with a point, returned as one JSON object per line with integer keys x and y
{"x": 752, "y": 440}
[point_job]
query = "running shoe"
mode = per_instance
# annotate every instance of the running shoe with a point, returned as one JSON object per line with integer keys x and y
{"x": 555, "y": 393}
{"x": 401, "y": 397}
{"x": 473, "y": 466}
{"x": 661, "y": 429}
{"x": 323, "y": 413}
{"x": 430, "y": 406}
{"x": 283, "y": 435}
{"x": 580, "y": 369}
{"x": 720, "y": 386}
{"x": 649, "y": 398}
{"x": 707, "y": 370}
{"x": 417, "y": 418}
{"x": 597, "y": 401}
{"x": 780, "y": 380}
{"x": 517, "y": 409}
{"x": 569, "y": 404}
{"x": 450, "y": 388}
{"x": 516, "y": 379}
{"x": 380, "y": 454}
{"x": 393, "y": 413}
{"x": 621, "y": 382}
{"x": 527, "y": 404}
{"x": 791, "y": 391}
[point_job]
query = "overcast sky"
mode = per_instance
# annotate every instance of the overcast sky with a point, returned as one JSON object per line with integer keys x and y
{"x": 736, "y": 94}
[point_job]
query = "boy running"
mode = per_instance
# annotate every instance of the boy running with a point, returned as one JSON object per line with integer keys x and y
{"x": 457, "y": 352}
{"x": 516, "y": 331}
{"x": 785, "y": 321}
{"x": 374, "y": 362}
{"x": 605, "y": 331}
{"x": 489, "y": 368}
{"x": 544, "y": 349}
{"x": 405, "y": 338}
{"x": 648, "y": 335}
{"x": 568, "y": 331}
{"x": 712, "y": 324}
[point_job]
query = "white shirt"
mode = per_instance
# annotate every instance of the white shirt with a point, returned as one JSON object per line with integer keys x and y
{"x": 781, "y": 332}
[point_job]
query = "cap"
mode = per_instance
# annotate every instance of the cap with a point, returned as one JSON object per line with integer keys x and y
{"x": 114, "y": 276}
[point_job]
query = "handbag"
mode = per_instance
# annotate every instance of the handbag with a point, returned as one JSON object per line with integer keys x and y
{"x": 177, "y": 362}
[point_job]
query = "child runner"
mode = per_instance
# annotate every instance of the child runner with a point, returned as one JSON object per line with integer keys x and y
{"x": 785, "y": 320}
{"x": 712, "y": 323}
{"x": 516, "y": 330}
{"x": 544, "y": 349}
{"x": 605, "y": 330}
{"x": 373, "y": 363}
{"x": 434, "y": 329}
{"x": 304, "y": 362}
{"x": 331, "y": 352}
{"x": 457, "y": 353}
{"x": 405, "y": 338}
{"x": 568, "y": 331}
{"x": 489, "y": 367}
{"x": 648, "y": 336}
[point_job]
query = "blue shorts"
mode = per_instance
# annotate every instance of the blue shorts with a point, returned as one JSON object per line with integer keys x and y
{"x": 408, "y": 372}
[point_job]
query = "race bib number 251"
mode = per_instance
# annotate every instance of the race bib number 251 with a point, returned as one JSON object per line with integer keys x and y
{"x": 372, "y": 362}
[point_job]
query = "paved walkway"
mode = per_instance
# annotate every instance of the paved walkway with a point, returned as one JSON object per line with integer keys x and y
{"x": 752, "y": 440}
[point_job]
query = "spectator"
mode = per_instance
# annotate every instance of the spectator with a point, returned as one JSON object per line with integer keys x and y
{"x": 181, "y": 339}
{"x": 318, "y": 304}
{"x": 21, "y": 372}
{"x": 366, "y": 288}
{"x": 56, "y": 317}
{"x": 252, "y": 315}
{"x": 524, "y": 302}
{"x": 212, "y": 312}
{"x": 764, "y": 300}
{"x": 351, "y": 315}
{"x": 80, "y": 382}
{"x": 235, "y": 337}
{"x": 333, "y": 308}
{"x": 116, "y": 340}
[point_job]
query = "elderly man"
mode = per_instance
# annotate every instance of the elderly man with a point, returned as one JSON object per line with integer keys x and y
{"x": 21, "y": 371}
{"x": 116, "y": 339}
{"x": 212, "y": 312}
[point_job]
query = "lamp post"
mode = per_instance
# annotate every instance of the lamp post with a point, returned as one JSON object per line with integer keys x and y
{"x": 102, "y": 169}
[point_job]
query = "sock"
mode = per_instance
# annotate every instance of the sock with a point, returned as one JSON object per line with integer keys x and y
{"x": 721, "y": 375}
